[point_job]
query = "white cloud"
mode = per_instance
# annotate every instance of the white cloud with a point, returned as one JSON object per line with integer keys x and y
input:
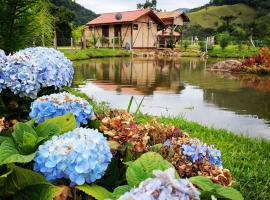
{"x": 102, "y": 6}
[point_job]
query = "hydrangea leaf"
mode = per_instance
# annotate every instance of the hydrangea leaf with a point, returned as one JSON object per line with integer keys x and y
{"x": 204, "y": 183}
{"x": 19, "y": 131}
{"x": 40, "y": 192}
{"x": 9, "y": 153}
{"x": 96, "y": 191}
{"x": 63, "y": 123}
{"x": 47, "y": 129}
{"x": 4, "y": 176}
{"x": 20, "y": 179}
{"x": 119, "y": 191}
{"x": 143, "y": 167}
{"x": 28, "y": 144}
{"x": 229, "y": 193}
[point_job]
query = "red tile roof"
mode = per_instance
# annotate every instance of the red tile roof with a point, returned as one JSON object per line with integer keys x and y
{"x": 128, "y": 16}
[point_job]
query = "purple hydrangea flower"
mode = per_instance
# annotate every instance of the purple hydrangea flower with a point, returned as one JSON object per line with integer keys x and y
{"x": 197, "y": 151}
{"x": 164, "y": 186}
{"x": 81, "y": 155}
{"x": 3, "y": 60}
{"x": 47, "y": 107}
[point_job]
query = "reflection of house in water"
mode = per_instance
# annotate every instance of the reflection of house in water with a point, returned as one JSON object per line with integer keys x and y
{"x": 139, "y": 77}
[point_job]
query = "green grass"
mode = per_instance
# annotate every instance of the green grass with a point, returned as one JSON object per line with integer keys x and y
{"x": 84, "y": 54}
{"x": 233, "y": 51}
{"x": 248, "y": 159}
{"x": 210, "y": 17}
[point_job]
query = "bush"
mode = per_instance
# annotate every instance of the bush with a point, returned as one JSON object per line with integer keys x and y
{"x": 224, "y": 40}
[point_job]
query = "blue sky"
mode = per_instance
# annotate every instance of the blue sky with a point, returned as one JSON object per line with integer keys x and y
{"x": 101, "y": 6}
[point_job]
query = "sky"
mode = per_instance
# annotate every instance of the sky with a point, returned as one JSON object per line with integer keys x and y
{"x": 103, "y": 6}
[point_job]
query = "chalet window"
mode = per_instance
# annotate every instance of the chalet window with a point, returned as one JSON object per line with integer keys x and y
{"x": 117, "y": 30}
{"x": 135, "y": 27}
{"x": 105, "y": 31}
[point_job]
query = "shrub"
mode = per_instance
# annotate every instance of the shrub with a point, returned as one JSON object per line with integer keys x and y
{"x": 224, "y": 39}
{"x": 260, "y": 60}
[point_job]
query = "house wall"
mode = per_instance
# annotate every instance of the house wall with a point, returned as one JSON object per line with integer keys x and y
{"x": 144, "y": 37}
{"x": 179, "y": 21}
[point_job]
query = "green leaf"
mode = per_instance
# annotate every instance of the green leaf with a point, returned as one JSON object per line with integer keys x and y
{"x": 9, "y": 153}
{"x": 28, "y": 144}
{"x": 19, "y": 131}
{"x": 47, "y": 129}
{"x": 144, "y": 166}
{"x": 19, "y": 179}
{"x": 38, "y": 192}
{"x": 63, "y": 123}
{"x": 119, "y": 191}
{"x": 204, "y": 183}
{"x": 4, "y": 177}
{"x": 96, "y": 191}
{"x": 229, "y": 193}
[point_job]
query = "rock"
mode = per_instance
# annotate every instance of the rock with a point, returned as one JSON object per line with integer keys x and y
{"x": 227, "y": 65}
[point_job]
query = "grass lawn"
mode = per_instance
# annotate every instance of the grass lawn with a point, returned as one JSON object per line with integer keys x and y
{"x": 84, "y": 54}
{"x": 233, "y": 51}
{"x": 248, "y": 159}
{"x": 210, "y": 17}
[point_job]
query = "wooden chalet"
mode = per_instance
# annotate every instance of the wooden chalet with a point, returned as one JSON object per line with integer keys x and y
{"x": 174, "y": 20}
{"x": 132, "y": 29}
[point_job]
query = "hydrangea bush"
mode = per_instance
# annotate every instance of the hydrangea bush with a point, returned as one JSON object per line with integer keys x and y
{"x": 50, "y": 106}
{"x": 197, "y": 151}
{"x": 164, "y": 186}
{"x": 28, "y": 70}
{"x": 82, "y": 156}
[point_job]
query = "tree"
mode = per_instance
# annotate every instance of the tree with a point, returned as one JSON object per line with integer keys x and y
{"x": 19, "y": 23}
{"x": 148, "y": 4}
{"x": 224, "y": 39}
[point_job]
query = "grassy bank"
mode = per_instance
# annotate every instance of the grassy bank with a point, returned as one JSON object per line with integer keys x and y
{"x": 231, "y": 51}
{"x": 248, "y": 159}
{"x": 84, "y": 54}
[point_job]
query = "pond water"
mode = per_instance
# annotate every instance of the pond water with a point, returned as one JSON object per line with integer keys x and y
{"x": 182, "y": 87}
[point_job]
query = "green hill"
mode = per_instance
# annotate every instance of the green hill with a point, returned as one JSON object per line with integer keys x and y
{"x": 210, "y": 17}
{"x": 82, "y": 15}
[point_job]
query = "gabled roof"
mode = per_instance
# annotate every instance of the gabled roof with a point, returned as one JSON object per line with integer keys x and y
{"x": 127, "y": 17}
{"x": 173, "y": 14}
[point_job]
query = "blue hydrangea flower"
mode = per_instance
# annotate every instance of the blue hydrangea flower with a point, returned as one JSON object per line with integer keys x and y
{"x": 81, "y": 155}
{"x": 164, "y": 186}
{"x": 197, "y": 151}
{"x": 28, "y": 70}
{"x": 47, "y": 107}
{"x": 3, "y": 60}
{"x": 54, "y": 69}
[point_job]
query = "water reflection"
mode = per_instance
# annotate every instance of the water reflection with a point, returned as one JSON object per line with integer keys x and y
{"x": 181, "y": 87}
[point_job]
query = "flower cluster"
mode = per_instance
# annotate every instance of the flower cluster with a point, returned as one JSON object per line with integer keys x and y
{"x": 28, "y": 70}
{"x": 197, "y": 151}
{"x": 164, "y": 186}
{"x": 3, "y": 59}
{"x": 47, "y": 107}
{"x": 192, "y": 158}
{"x": 81, "y": 155}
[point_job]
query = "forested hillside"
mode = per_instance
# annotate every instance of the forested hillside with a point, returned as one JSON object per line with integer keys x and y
{"x": 241, "y": 18}
{"x": 82, "y": 15}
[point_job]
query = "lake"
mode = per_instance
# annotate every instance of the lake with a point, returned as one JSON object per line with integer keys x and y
{"x": 180, "y": 87}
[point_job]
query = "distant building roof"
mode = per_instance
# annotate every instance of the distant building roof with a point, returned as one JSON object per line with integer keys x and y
{"x": 124, "y": 17}
{"x": 173, "y": 14}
